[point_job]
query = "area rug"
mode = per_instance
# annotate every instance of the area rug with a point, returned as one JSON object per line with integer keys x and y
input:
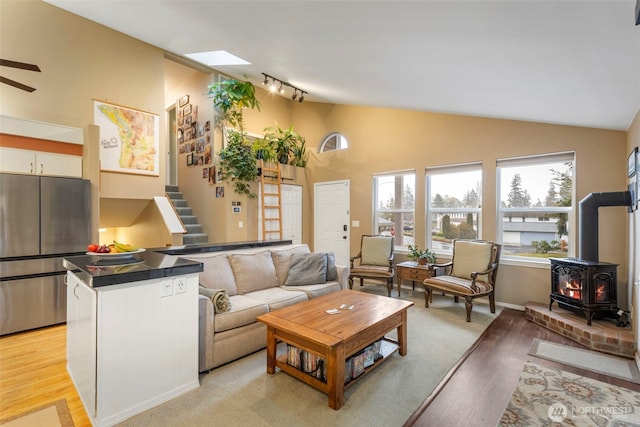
{"x": 55, "y": 414}
{"x": 546, "y": 396}
{"x": 612, "y": 366}
{"x": 242, "y": 394}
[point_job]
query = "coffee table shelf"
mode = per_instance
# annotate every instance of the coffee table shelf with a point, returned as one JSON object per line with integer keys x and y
{"x": 335, "y": 338}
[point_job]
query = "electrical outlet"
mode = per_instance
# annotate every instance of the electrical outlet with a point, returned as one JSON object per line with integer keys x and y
{"x": 179, "y": 285}
{"x": 166, "y": 289}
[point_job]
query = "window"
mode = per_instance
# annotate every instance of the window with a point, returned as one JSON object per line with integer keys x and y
{"x": 394, "y": 206}
{"x": 535, "y": 206}
{"x": 454, "y": 202}
{"x": 333, "y": 141}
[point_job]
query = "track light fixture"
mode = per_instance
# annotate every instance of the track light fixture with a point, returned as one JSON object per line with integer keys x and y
{"x": 281, "y": 89}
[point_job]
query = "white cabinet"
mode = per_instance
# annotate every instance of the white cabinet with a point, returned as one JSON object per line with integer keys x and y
{"x": 16, "y": 160}
{"x": 132, "y": 346}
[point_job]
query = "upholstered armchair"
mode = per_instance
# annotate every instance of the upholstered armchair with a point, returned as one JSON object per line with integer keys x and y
{"x": 375, "y": 261}
{"x": 470, "y": 274}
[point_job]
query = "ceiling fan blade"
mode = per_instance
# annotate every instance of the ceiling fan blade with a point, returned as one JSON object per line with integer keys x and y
{"x": 21, "y": 65}
{"x": 16, "y": 84}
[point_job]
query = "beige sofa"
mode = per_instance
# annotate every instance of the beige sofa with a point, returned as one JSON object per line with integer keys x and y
{"x": 257, "y": 280}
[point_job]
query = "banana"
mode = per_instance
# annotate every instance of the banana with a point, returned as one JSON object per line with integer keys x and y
{"x": 124, "y": 247}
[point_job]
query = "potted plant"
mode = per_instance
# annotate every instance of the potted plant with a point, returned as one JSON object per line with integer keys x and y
{"x": 237, "y": 159}
{"x": 300, "y": 155}
{"x": 230, "y": 97}
{"x": 264, "y": 150}
{"x": 420, "y": 255}
{"x": 283, "y": 141}
{"x": 238, "y": 164}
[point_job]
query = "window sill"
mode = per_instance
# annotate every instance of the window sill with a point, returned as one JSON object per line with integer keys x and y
{"x": 518, "y": 262}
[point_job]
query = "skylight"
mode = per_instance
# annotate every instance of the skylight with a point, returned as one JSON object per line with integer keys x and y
{"x": 216, "y": 58}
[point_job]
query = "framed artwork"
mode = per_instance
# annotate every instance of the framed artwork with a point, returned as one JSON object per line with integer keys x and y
{"x": 183, "y": 101}
{"x": 212, "y": 175}
{"x": 186, "y": 110}
{"x": 189, "y": 159}
{"x": 129, "y": 139}
{"x": 219, "y": 192}
{"x": 205, "y": 173}
{"x": 631, "y": 162}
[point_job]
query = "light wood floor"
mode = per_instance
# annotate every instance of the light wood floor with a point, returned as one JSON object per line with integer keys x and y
{"x": 33, "y": 373}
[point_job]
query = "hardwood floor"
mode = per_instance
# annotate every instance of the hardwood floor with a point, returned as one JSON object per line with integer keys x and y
{"x": 33, "y": 373}
{"x": 477, "y": 393}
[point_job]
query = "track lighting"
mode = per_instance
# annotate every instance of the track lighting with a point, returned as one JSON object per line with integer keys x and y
{"x": 281, "y": 89}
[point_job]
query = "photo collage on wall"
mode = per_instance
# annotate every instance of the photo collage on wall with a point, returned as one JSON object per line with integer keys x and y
{"x": 194, "y": 138}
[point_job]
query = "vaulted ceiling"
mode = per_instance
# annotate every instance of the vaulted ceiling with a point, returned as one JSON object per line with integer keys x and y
{"x": 555, "y": 61}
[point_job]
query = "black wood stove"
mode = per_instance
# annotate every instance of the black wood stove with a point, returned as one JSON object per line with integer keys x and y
{"x": 584, "y": 286}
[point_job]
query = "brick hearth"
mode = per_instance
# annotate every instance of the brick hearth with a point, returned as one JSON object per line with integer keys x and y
{"x": 603, "y": 334}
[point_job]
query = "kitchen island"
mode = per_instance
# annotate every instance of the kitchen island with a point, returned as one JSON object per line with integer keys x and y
{"x": 132, "y": 331}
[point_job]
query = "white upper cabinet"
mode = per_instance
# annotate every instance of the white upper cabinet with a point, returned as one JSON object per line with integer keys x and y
{"x": 14, "y": 160}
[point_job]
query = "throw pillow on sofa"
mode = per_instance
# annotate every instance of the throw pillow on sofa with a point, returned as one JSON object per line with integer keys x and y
{"x": 253, "y": 271}
{"x": 282, "y": 259}
{"x": 307, "y": 269}
{"x": 332, "y": 270}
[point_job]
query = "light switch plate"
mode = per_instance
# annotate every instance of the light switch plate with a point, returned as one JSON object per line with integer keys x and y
{"x": 166, "y": 289}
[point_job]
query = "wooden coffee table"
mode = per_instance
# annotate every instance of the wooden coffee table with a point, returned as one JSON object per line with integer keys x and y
{"x": 334, "y": 337}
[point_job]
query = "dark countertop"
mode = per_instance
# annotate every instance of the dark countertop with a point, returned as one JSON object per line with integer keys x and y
{"x": 99, "y": 271}
{"x": 216, "y": 247}
{"x": 153, "y": 263}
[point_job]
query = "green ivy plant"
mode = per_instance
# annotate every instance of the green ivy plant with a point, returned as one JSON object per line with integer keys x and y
{"x": 238, "y": 164}
{"x": 237, "y": 159}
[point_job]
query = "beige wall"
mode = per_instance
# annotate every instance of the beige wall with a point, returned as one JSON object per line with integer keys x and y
{"x": 382, "y": 140}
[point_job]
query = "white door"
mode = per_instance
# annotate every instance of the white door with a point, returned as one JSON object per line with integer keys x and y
{"x": 331, "y": 219}
{"x": 291, "y": 213}
{"x": 291, "y": 206}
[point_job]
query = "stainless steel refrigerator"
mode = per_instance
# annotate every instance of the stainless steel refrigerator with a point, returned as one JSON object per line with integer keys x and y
{"x": 42, "y": 220}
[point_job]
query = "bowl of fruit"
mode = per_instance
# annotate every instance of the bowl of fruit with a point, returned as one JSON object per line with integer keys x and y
{"x": 114, "y": 250}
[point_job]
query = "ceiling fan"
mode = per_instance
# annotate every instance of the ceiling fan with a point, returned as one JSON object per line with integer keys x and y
{"x": 22, "y": 66}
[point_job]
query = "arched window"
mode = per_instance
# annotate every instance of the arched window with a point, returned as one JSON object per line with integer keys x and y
{"x": 333, "y": 141}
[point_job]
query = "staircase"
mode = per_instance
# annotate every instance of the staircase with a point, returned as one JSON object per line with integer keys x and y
{"x": 194, "y": 233}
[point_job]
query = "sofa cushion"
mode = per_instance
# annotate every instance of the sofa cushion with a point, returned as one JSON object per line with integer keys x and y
{"x": 282, "y": 259}
{"x": 332, "y": 270}
{"x": 314, "y": 291}
{"x": 217, "y": 273}
{"x": 376, "y": 250}
{"x": 470, "y": 257}
{"x": 253, "y": 271}
{"x": 244, "y": 311}
{"x": 307, "y": 269}
{"x": 277, "y": 297}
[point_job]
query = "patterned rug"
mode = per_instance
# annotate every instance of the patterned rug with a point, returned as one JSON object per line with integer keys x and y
{"x": 546, "y": 396}
{"x": 54, "y": 414}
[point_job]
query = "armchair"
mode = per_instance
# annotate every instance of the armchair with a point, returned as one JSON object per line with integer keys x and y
{"x": 470, "y": 274}
{"x": 375, "y": 261}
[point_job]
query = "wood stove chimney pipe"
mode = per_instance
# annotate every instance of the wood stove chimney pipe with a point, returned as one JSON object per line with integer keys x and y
{"x": 588, "y": 219}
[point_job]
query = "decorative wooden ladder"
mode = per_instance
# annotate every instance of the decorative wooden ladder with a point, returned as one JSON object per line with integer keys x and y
{"x": 271, "y": 197}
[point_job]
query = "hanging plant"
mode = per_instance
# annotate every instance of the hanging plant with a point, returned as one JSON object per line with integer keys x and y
{"x": 237, "y": 159}
{"x": 238, "y": 164}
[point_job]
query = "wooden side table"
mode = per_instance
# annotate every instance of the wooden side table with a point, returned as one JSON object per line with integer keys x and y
{"x": 410, "y": 270}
